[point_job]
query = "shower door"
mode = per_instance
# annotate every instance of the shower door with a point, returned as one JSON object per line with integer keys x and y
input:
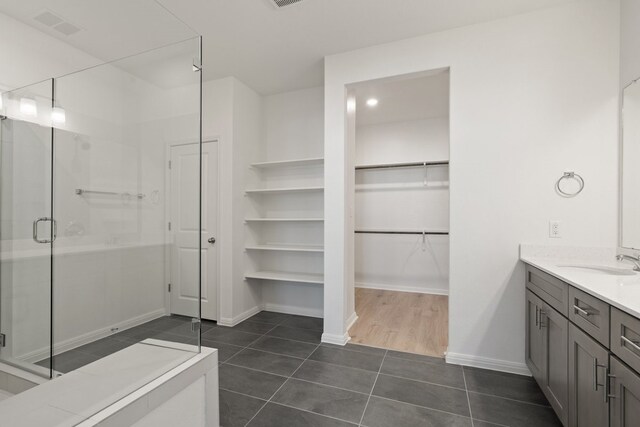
{"x": 26, "y": 227}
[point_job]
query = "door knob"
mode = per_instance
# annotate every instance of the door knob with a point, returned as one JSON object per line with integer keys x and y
{"x": 211, "y": 240}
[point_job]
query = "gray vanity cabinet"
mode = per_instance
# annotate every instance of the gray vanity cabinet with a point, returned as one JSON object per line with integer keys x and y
{"x": 625, "y": 400}
{"x": 555, "y": 334}
{"x": 546, "y": 352}
{"x": 584, "y": 354}
{"x": 533, "y": 342}
{"x": 588, "y": 367}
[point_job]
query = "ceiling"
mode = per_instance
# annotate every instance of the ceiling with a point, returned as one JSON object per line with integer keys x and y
{"x": 407, "y": 98}
{"x": 272, "y": 50}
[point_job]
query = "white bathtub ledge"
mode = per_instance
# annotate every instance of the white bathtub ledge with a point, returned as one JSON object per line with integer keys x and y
{"x": 119, "y": 389}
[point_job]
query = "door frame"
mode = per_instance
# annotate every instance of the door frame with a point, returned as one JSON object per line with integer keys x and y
{"x": 167, "y": 213}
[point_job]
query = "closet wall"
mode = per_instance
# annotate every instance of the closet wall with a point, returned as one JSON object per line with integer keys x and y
{"x": 410, "y": 124}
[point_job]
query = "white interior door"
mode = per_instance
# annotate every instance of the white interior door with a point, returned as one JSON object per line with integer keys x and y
{"x": 184, "y": 228}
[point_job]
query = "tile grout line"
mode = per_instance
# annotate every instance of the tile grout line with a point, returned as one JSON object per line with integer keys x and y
{"x": 261, "y": 336}
{"x": 247, "y": 346}
{"x": 293, "y": 407}
{"x": 374, "y": 386}
{"x": 328, "y": 363}
{"x": 282, "y": 385}
{"x": 512, "y": 400}
{"x": 466, "y": 390}
{"x": 377, "y": 397}
{"x": 299, "y": 379}
{"x": 228, "y": 362}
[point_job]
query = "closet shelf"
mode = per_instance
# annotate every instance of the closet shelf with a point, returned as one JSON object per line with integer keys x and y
{"x": 434, "y": 185}
{"x": 286, "y": 248}
{"x": 403, "y": 165}
{"x": 284, "y": 190}
{"x": 289, "y": 163}
{"x": 284, "y": 220}
{"x": 417, "y": 232}
{"x": 283, "y": 276}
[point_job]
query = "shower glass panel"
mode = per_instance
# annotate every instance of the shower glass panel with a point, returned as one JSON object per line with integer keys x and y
{"x": 116, "y": 255}
{"x": 26, "y": 231}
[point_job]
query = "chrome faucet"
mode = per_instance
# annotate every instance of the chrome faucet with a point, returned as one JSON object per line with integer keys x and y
{"x": 634, "y": 259}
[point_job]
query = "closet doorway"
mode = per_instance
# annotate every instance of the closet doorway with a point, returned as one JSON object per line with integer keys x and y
{"x": 399, "y": 131}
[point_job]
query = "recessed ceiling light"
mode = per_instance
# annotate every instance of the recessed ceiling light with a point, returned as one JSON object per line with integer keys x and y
{"x": 58, "y": 115}
{"x": 28, "y": 107}
{"x": 372, "y": 102}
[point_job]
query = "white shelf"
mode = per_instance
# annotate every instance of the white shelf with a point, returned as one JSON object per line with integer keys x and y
{"x": 289, "y": 163}
{"x": 286, "y": 248}
{"x": 403, "y": 165}
{"x": 283, "y": 219}
{"x": 284, "y": 190}
{"x": 283, "y": 276}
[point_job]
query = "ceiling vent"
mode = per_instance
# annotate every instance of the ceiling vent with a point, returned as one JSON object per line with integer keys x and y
{"x": 284, "y": 3}
{"x": 51, "y": 20}
{"x": 47, "y": 18}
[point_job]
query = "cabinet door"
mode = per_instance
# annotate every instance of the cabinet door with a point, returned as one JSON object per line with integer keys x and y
{"x": 588, "y": 364}
{"x": 625, "y": 400}
{"x": 555, "y": 385}
{"x": 534, "y": 350}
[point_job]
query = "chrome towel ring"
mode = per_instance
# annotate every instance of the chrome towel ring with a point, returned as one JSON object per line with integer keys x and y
{"x": 570, "y": 175}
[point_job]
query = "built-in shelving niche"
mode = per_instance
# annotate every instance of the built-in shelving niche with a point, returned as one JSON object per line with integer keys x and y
{"x": 285, "y": 224}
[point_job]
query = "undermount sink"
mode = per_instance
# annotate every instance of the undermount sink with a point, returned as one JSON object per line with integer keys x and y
{"x": 601, "y": 269}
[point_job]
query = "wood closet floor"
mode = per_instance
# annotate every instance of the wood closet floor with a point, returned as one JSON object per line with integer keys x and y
{"x": 404, "y": 321}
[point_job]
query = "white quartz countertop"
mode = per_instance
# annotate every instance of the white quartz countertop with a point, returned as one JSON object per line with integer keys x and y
{"x": 622, "y": 292}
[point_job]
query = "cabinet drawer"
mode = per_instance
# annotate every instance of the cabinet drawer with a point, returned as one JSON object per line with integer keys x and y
{"x": 625, "y": 338}
{"x": 552, "y": 291}
{"x": 590, "y": 314}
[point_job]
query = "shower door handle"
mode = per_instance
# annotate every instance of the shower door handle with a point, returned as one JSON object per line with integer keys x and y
{"x": 54, "y": 230}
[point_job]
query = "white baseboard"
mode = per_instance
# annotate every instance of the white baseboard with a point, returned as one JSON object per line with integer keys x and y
{"x": 89, "y": 337}
{"x": 233, "y": 321}
{"x": 399, "y": 288}
{"x": 336, "y": 339}
{"x": 351, "y": 320}
{"x": 487, "y": 363}
{"x": 341, "y": 339}
{"x": 290, "y": 309}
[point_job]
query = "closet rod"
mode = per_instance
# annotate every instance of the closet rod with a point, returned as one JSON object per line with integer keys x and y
{"x": 420, "y": 233}
{"x": 402, "y": 165}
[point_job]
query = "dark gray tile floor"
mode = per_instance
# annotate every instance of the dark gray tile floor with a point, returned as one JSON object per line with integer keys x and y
{"x": 275, "y": 372}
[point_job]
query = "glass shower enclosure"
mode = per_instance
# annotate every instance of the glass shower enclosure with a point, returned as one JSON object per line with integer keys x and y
{"x": 87, "y": 253}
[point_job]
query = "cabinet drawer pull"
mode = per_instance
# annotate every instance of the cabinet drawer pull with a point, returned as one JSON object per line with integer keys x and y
{"x": 633, "y": 344}
{"x": 537, "y": 319}
{"x": 540, "y": 324}
{"x": 581, "y": 311}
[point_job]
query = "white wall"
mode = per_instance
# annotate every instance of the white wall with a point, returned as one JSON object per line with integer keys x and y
{"x": 247, "y": 135}
{"x": 629, "y": 41}
{"x": 294, "y": 125}
{"x": 531, "y": 96}
{"x": 403, "y": 141}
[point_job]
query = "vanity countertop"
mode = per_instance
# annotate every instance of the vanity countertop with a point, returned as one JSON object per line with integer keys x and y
{"x": 622, "y": 292}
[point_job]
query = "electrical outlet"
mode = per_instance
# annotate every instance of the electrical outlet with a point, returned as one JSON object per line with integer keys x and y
{"x": 555, "y": 229}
